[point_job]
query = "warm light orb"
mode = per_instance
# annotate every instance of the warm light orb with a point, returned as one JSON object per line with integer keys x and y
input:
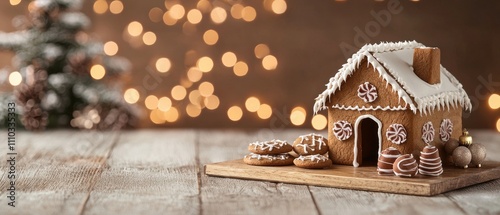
{"x": 164, "y": 103}
{"x": 252, "y": 104}
{"x": 194, "y": 74}
{"x": 218, "y": 15}
{"x": 97, "y": 72}
{"x": 156, "y": 116}
{"x": 234, "y": 113}
{"x": 110, "y": 48}
{"x": 15, "y": 78}
{"x": 100, "y": 6}
{"x": 248, "y": 13}
{"x": 236, "y": 11}
{"x": 204, "y": 6}
{"x": 168, "y": 19}
{"x": 14, "y": 2}
{"x": 163, "y": 65}
{"x": 177, "y": 11}
{"x": 195, "y": 97}
{"x": 298, "y": 116}
{"x": 171, "y": 115}
{"x": 229, "y": 59}
{"x": 494, "y": 101}
{"x": 151, "y": 102}
{"x": 131, "y": 96}
{"x": 149, "y": 38}
{"x": 155, "y": 14}
{"x": 206, "y": 89}
{"x": 116, "y": 7}
{"x": 194, "y": 16}
{"x": 269, "y": 62}
{"x": 193, "y": 110}
{"x": 278, "y": 6}
{"x": 178, "y": 92}
{"x": 319, "y": 122}
{"x": 261, "y": 51}
{"x": 210, "y": 37}
{"x": 134, "y": 28}
{"x": 498, "y": 125}
{"x": 212, "y": 102}
{"x": 205, "y": 64}
{"x": 265, "y": 111}
{"x": 240, "y": 68}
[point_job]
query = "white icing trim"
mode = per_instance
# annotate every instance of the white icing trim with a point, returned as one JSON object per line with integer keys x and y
{"x": 363, "y": 108}
{"x": 356, "y": 125}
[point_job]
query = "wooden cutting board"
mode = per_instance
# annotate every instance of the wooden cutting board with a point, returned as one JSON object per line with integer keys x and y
{"x": 361, "y": 178}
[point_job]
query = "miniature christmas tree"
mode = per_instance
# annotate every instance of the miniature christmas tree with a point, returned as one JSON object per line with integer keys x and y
{"x": 55, "y": 57}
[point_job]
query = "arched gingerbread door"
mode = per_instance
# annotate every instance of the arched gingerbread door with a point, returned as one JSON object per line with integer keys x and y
{"x": 367, "y": 139}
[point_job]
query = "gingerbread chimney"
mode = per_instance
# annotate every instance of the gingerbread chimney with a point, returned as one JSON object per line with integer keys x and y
{"x": 426, "y": 64}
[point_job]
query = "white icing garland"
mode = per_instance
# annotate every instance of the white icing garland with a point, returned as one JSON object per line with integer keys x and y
{"x": 342, "y": 130}
{"x": 445, "y": 129}
{"x": 363, "y": 108}
{"x": 316, "y": 157}
{"x": 264, "y": 145}
{"x": 367, "y": 92}
{"x": 379, "y": 132}
{"x": 396, "y": 133}
{"x": 428, "y": 132}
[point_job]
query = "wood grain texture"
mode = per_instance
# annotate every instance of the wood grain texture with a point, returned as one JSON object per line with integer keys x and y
{"x": 225, "y": 195}
{"x": 149, "y": 172}
{"x": 56, "y": 170}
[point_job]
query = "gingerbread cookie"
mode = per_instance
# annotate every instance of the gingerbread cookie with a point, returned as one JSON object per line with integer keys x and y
{"x": 386, "y": 161}
{"x": 272, "y": 147}
{"x": 268, "y": 160}
{"x": 316, "y": 161}
{"x": 310, "y": 144}
{"x": 405, "y": 166}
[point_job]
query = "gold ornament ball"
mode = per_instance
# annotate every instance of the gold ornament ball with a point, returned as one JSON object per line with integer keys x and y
{"x": 450, "y": 146}
{"x": 462, "y": 157}
{"x": 465, "y": 139}
{"x": 478, "y": 153}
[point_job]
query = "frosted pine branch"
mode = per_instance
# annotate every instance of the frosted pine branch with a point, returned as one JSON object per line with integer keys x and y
{"x": 13, "y": 40}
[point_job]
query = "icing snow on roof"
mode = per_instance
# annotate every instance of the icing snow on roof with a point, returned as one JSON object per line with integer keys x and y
{"x": 393, "y": 62}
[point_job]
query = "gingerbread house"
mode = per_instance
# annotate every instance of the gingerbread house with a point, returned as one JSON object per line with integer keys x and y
{"x": 391, "y": 94}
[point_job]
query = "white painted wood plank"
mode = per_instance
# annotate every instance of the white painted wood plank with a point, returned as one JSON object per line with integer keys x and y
{"x": 55, "y": 170}
{"x": 225, "y": 195}
{"x": 149, "y": 172}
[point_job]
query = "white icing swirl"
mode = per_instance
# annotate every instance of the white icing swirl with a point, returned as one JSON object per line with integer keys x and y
{"x": 406, "y": 169}
{"x": 445, "y": 129}
{"x": 367, "y": 92}
{"x": 396, "y": 133}
{"x": 342, "y": 130}
{"x": 428, "y": 132}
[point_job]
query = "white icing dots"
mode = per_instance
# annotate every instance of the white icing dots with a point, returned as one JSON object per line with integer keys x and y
{"x": 367, "y": 92}
{"x": 342, "y": 130}
{"x": 428, "y": 132}
{"x": 445, "y": 129}
{"x": 396, "y": 133}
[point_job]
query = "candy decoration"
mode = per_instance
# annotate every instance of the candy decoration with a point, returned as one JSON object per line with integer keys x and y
{"x": 367, "y": 92}
{"x": 396, "y": 133}
{"x": 405, "y": 166}
{"x": 386, "y": 161}
{"x": 430, "y": 162}
{"x": 445, "y": 129}
{"x": 428, "y": 132}
{"x": 342, "y": 130}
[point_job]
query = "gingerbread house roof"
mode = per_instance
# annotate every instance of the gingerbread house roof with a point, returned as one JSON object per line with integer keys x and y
{"x": 393, "y": 62}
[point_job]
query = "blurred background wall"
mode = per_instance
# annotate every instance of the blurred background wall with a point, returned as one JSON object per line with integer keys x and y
{"x": 261, "y": 63}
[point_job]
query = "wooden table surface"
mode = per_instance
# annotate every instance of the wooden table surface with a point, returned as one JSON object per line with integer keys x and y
{"x": 161, "y": 172}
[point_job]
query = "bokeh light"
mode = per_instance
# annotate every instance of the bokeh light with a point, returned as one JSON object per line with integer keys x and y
{"x": 236, "y": 11}
{"x": 498, "y": 125}
{"x": 156, "y": 116}
{"x": 194, "y": 74}
{"x": 151, "y": 102}
{"x": 110, "y": 48}
{"x": 319, "y": 122}
{"x": 210, "y": 37}
{"x": 171, "y": 115}
{"x": 248, "y": 13}
{"x": 100, "y": 6}
{"x": 218, "y": 15}
{"x": 178, "y": 92}
{"x": 265, "y": 111}
{"x": 494, "y": 101}
{"x": 234, "y": 113}
{"x": 193, "y": 110}
{"x": 155, "y": 14}
{"x": 194, "y": 16}
{"x": 116, "y": 7}
{"x": 261, "y": 51}
{"x": 195, "y": 97}
{"x": 14, "y": 2}
{"x": 205, "y": 64}
{"x": 298, "y": 116}
{"x": 134, "y": 28}
{"x": 229, "y": 59}
{"x": 204, "y": 6}
{"x": 252, "y": 104}
{"x": 131, "y": 95}
{"x": 240, "y": 68}
{"x": 269, "y": 62}
{"x": 15, "y": 78}
{"x": 97, "y": 72}
{"x": 149, "y": 38}
{"x": 163, "y": 65}
{"x": 164, "y": 103}
{"x": 177, "y": 11}
{"x": 278, "y": 6}
{"x": 168, "y": 19}
{"x": 211, "y": 102}
{"x": 206, "y": 89}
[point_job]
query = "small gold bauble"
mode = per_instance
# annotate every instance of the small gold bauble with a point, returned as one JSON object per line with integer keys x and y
{"x": 465, "y": 139}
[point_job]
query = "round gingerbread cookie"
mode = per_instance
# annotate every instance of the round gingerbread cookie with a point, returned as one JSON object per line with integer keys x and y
{"x": 310, "y": 144}
{"x": 272, "y": 147}
{"x": 316, "y": 161}
{"x": 268, "y": 160}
